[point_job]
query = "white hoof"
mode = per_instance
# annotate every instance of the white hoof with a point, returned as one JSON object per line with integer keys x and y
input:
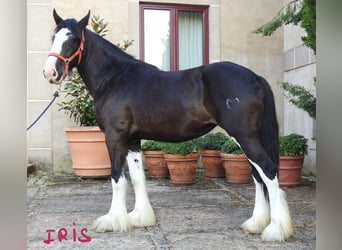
{"x": 111, "y": 223}
{"x": 277, "y": 232}
{"x": 142, "y": 217}
{"x": 255, "y": 226}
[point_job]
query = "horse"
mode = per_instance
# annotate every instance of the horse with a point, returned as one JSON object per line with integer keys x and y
{"x": 134, "y": 100}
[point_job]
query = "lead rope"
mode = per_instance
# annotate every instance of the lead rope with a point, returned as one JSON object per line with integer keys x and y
{"x": 55, "y": 95}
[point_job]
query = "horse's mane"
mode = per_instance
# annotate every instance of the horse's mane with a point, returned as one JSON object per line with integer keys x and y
{"x": 108, "y": 46}
{"x": 105, "y": 44}
{"x": 116, "y": 64}
{"x": 126, "y": 60}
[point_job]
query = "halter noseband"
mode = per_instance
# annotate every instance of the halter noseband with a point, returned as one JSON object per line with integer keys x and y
{"x": 66, "y": 61}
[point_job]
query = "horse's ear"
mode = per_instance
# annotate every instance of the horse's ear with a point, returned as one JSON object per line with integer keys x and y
{"x": 57, "y": 18}
{"x": 84, "y": 21}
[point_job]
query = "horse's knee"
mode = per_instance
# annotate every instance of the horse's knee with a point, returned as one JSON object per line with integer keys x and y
{"x": 257, "y": 156}
{"x": 269, "y": 168}
{"x": 264, "y": 171}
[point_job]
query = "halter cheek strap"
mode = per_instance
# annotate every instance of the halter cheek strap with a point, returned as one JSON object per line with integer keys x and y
{"x": 78, "y": 53}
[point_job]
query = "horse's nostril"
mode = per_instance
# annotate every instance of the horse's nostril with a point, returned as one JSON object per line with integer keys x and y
{"x": 50, "y": 74}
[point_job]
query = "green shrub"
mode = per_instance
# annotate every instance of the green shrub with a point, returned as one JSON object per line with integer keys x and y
{"x": 152, "y": 146}
{"x": 212, "y": 141}
{"x": 293, "y": 145}
{"x": 180, "y": 148}
{"x": 230, "y": 147}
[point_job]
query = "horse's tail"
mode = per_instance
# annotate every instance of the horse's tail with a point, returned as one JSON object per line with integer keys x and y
{"x": 269, "y": 129}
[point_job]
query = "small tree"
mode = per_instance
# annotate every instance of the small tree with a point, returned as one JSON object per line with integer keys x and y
{"x": 303, "y": 13}
{"x": 297, "y": 12}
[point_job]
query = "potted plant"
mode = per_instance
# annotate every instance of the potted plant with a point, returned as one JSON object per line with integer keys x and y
{"x": 87, "y": 146}
{"x": 154, "y": 159}
{"x": 292, "y": 149}
{"x": 210, "y": 146}
{"x": 236, "y": 165}
{"x": 181, "y": 159}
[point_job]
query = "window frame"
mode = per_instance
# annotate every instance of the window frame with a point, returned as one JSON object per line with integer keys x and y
{"x": 174, "y": 47}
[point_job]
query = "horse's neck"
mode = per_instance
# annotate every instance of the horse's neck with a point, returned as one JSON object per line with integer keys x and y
{"x": 100, "y": 63}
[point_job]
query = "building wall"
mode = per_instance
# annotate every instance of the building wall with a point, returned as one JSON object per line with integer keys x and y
{"x": 239, "y": 18}
{"x": 230, "y": 25}
{"x": 39, "y": 92}
{"x": 299, "y": 64}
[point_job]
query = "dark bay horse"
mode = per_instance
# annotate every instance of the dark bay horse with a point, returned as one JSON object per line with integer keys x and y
{"x": 135, "y": 100}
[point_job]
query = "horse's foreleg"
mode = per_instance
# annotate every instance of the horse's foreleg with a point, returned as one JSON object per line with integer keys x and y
{"x": 117, "y": 218}
{"x": 143, "y": 214}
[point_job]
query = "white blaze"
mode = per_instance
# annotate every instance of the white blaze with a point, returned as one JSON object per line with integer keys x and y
{"x": 60, "y": 37}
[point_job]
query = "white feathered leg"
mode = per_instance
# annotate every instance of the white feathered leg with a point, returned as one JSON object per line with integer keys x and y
{"x": 117, "y": 218}
{"x": 261, "y": 212}
{"x": 280, "y": 227}
{"x": 143, "y": 214}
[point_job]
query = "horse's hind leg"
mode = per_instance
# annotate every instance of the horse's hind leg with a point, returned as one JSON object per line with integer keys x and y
{"x": 261, "y": 212}
{"x": 143, "y": 214}
{"x": 280, "y": 226}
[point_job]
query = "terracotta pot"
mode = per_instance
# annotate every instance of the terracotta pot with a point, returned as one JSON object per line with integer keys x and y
{"x": 156, "y": 165}
{"x": 290, "y": 168}
{"x": 88, "y": 151}
{"x": 237, "y": 168}
{"x": 182, "y": 168}
{"x": 212, "y": 164}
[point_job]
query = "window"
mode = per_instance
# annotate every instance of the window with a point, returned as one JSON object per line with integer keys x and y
{"x": 174, "y": 37}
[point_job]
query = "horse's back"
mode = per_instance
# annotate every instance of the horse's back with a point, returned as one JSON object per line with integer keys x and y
{"x": 230, "y": 80}
{"x": 228, "y": 71}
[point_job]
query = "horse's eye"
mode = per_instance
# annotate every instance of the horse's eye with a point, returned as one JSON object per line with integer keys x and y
{"x": 73, "y": 39}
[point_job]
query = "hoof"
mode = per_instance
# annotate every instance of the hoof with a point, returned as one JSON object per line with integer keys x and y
{"x": 277, "y": 232}
{"x": 254, "y": 226}
{"x": 142, "y": 218}
{"x": 110, "y": 223}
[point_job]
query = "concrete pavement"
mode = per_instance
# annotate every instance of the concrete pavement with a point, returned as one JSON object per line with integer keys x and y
{"x": 205, "y": 215}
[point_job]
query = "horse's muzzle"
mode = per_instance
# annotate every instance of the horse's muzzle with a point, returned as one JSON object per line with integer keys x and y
{"x": 52, "y": 76}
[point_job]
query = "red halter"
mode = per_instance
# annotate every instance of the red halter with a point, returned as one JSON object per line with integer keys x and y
{"x": 72, "y": 57}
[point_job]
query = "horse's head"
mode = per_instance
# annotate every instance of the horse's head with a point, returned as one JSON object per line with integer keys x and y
{"x": 67, "y": 47}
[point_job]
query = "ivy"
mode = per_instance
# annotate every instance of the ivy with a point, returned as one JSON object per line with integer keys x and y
{"x": 308, "y": 22}
{"x": 301, "y": 98}
{"x": 295, "y": 12}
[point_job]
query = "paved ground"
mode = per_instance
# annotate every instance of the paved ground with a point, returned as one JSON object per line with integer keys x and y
{"x": 206, "y": 215}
